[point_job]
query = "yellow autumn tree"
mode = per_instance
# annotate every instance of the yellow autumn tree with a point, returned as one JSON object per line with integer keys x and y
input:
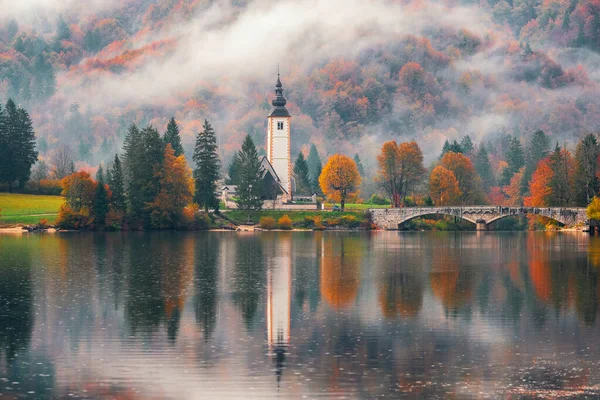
{"x": 443, "y": 187}
{"x": 593, "y": 210}
{"x": 340, "y": 178}
{"x": 176, "y": 191}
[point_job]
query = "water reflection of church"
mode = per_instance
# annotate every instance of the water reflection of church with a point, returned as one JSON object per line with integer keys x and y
{"x": 279, "y": 292}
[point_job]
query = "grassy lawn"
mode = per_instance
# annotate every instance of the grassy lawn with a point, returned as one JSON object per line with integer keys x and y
{"x": 297, "y": 217}
{"x": 16, "y": 208}
{"x": 357, "y": 207}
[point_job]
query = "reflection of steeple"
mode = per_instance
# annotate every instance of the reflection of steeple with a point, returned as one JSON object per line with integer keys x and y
{"x": 279, "y": 287}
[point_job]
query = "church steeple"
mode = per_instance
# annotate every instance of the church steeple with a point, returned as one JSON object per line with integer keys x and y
{"x": 279, "y": 141}
{"x": 279, "y": 101}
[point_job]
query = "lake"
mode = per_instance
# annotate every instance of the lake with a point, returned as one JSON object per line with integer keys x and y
{"x": 176, "y": 315}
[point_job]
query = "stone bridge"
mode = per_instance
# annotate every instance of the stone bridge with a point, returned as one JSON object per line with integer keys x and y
{"x": 481, "y": 216}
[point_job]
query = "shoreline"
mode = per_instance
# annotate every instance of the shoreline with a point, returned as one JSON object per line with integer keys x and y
{"x": 21, "y": 229}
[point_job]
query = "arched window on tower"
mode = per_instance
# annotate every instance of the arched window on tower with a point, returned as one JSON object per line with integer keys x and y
{"x": 280, "y": 126}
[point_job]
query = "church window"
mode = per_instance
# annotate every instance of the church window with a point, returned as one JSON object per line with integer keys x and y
{"x": 280, "y": 126}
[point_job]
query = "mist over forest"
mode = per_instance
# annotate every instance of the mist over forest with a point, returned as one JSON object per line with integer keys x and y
{"x": 355, "y": 73}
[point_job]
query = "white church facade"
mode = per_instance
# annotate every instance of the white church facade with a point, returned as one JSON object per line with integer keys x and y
{"x": 279, "y": 141}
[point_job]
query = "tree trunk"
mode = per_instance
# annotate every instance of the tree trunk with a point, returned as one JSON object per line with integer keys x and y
{"x": 9, "y": 186}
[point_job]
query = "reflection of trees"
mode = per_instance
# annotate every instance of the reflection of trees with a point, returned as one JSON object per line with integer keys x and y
{"x": 205, "y": 281}
{"x": 306, "y": 269}
{"x": 249, "y": 276}
{"x": 586, "y": 294}
{"x": 16, "y": 314}
{"x": 549, "y": 275}
{"x": 401, "y": 294}
{"x": 450, "y": 280}
{"x": 453, "y": 288}
{"x": 177, "y": 272}
{"x": 145, "y": 307}
{"x": 340, "y": 270}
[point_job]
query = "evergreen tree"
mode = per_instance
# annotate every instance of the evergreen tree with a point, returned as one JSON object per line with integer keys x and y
{"x": 359, "y": 165}
{"x": 144, "y": 151}
{"x": 314, "y": 168}
{"x": 536, "y": 152}
{"x": 586, "y": 167}
{"x": 453, "y": 146}
{"x": 559, "y": 184}
{"x": 17, "y": 145}
{"x": 172, "y": 136}
{"x": 466, "y": 144}
{"x": 249, "y": 177}
{"x": 44, "y": 78}
{"x": 206, "y": 174}
{"x": 62, "y": 29}
{"x": 303, "y": 183}
{"x": 117, "y": 185}
{"x": 484, "y": 168}
{"x": 100, "y": 207}
{"x": 515, "y": 159}
{"x": 232, "y": 171}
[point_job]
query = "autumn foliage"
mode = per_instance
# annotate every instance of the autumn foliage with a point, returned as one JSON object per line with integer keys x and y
{"x": 176, "y": 191}
{"x": 443, "y": 187}
{"x": 339, "y": 178}
{"x": 400, "y": 169}
{"x": 539, "y": 187}
{"x": 469, "y": 182}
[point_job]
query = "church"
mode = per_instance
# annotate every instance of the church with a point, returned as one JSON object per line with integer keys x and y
{"x": 278, "y": 145}
{"x": 279, "y": 185}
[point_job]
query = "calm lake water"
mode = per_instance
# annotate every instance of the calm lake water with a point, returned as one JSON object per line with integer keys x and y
{"x": 335, "y": 315}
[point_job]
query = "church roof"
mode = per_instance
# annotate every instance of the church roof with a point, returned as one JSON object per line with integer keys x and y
{"x": 279, "y": 101}
{"x": 268, "y": 168}
{"x": 279, "y": 112}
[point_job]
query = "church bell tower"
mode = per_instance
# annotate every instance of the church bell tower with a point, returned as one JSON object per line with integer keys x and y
{"x": 279, "y": 140}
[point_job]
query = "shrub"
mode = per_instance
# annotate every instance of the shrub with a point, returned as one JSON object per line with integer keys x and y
{"x": 333, "y": 221}
{"x": 44, "y": 186}
{"x": 43, "y": 224}
{"x": 285, "y": 222}
{"x": 350, "y": 221}
{"x": 267, "y": 222}
{"x": 202, "y": 221}
{"x": 378, "y": 200}
{"x": 69, "y": 219}
{"x": 193, "y": 219}
{"x": 114, "y": 220}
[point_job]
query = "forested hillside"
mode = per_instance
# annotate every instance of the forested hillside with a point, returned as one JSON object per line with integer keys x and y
{"x": 355, "y": 73}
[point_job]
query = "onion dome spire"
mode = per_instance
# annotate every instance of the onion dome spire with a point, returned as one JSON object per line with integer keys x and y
{"x": 279, "y": 101}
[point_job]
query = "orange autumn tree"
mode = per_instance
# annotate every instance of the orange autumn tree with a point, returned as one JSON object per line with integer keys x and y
{"x": 176, "y": 191}
{"x": 400, "y": 168}
{"x": 340, "y": 178}
{"x": 469, "y": 182}
{"x": 539, "y": 186}
{"x": 443, "y": 187}
{"x": 78, "y": 189}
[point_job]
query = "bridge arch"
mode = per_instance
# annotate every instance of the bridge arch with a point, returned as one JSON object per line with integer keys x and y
{"x": 426, "y": 214}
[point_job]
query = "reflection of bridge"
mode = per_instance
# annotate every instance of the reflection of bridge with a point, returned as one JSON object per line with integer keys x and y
{"x": 481, "y": 216}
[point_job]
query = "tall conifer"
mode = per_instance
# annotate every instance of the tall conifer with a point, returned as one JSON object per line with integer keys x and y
{"x": 249, "y": 177}
{"x": 206, "y": 174}
{"x": 117, "y": 185}
{"x": 303, "y": 183}
{"x": 484, "y": 168}
{"x": 173, "y": 137}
